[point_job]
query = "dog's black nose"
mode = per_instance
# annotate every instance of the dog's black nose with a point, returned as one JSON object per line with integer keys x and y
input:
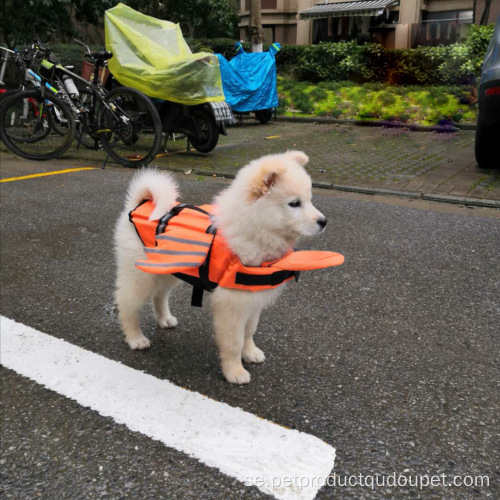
{"x": 322, "y": 222}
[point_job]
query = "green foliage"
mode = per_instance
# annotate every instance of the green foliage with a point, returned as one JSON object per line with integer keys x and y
{"x": 224, "y": 46}
{"x": 301, "y": 100}
{"x": 59, "y": 20}
{"x": 428, "y": 105}
{"x": 318, "y": 94}
{"x": 478, "y": 39}
{"x": 287, "y": 59}
{"x": 71, "y": 54}
{"x": 198, "y": 18}
{"x": 332, "y": 62}
{"x": 46, "y": 20}
{"x": 443, "y": 65}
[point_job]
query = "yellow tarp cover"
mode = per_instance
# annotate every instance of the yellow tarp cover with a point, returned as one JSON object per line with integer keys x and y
{"x": 153, "y": 57}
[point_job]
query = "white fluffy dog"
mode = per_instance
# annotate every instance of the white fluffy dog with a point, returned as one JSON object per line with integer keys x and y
{"x": 261, "y": 215}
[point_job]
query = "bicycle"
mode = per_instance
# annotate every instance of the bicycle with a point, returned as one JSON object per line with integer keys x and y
{"x": 30, "y": 110}
{"x": 123, "y": 121}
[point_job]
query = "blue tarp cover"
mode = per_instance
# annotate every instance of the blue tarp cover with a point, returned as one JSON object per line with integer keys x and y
{"x": 249, "y": 80}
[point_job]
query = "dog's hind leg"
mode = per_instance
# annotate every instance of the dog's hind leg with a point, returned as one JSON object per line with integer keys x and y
{"x": 251, "y": 353}
{"x": 161, "y": 309}
{"x": 131, "y": 294}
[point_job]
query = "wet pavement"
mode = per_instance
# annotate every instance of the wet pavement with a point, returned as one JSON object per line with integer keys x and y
{"x": 391, "y": 358}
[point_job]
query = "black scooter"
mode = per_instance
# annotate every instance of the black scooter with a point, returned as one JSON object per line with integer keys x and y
{"x": 200, "y": 124}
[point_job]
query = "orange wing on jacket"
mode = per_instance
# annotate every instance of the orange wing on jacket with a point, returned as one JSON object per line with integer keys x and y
{"x": 306, "y": 260}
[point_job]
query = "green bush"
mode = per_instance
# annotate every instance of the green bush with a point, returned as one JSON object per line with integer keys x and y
{"x": 478, "y": 39}
{"x": 71, "y": 55}
{"x": 287, "y": 59}
{"x": 224, "y": 46}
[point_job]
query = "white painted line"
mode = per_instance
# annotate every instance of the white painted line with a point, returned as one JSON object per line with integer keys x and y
{"x": 239, "y": 444}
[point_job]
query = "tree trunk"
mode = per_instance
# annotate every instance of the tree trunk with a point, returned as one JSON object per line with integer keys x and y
{"x": 486, "y": 13}
{"x": 255, "y": 26}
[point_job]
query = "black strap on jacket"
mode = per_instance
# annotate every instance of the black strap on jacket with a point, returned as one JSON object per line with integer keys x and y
{"x": 203, "y": 282}
{"x": 273, "y": 279}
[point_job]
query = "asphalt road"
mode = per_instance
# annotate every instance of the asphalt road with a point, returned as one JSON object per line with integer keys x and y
{"x": 392, "y": 358}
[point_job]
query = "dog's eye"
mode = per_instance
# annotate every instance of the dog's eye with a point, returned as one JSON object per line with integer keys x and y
{"x": 295, "y": 204}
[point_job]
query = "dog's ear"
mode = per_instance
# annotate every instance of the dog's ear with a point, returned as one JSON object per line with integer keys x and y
{"x": 299, "y": 156}
{"x": 265, "y": 178}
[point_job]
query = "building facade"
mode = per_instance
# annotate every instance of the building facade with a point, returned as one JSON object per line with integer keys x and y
{"x": 393, "y": 23}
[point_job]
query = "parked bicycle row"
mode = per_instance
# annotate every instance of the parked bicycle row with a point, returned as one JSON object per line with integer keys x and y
{"x": 54, "y": 105}
{"x": 169, "y": 92}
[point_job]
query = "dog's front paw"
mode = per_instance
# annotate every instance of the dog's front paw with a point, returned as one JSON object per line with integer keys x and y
{"x": 168, "y": 322}
{"x": 253, "y": 355}
{"x": 236, "y": 375}
{"x": 141, "y": 342}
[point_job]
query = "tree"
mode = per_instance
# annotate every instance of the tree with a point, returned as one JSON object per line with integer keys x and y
{"x": 255, "y": 26}
{"x": 58, "y": 20}
{"x": 198, "y": 18}
{"x": 486, "y": 13}
{"x": 47, "y": 20}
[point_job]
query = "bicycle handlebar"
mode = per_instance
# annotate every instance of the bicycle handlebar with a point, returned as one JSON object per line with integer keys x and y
{"x": 82, "y": 45}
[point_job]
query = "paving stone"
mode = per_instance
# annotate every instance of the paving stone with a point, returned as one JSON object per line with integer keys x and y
{"x": 341, "y": 154}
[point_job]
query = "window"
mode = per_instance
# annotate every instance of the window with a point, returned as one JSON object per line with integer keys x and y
{"x": 442, "y": 27}
{"x": 264, "y": 4}
{"x": 268, "y": 34}
{"x": 462, "y": 16}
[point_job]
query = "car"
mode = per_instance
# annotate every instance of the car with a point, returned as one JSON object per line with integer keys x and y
{"x": 487, "y": 146}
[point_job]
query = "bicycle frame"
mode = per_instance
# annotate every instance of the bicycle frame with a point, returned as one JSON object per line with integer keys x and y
{"x": 95, "y": 86}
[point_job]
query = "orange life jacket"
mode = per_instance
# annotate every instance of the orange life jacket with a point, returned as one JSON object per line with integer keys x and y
{"x": 185, "y": 243}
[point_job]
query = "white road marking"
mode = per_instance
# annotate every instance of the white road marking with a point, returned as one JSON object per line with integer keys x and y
{"x": 285, "y": 463}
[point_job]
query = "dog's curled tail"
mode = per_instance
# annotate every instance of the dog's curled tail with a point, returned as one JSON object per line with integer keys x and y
{"x": 152, "y": 184}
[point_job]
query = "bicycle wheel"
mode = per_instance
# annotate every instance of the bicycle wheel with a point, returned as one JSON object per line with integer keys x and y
{"x": 29, "y": 112}
{"x": 26, "y": 126}
{"x": 130, "y": 126}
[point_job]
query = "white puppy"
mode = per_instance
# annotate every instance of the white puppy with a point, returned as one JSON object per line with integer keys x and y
{"x": 261, "y": 215}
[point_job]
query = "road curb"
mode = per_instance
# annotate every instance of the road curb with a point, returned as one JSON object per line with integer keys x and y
{"x": 442, "y": 198}
{"x": 457, "y": 200}
{"x": 461, "y": 200}
{"x": 454, "y": 127}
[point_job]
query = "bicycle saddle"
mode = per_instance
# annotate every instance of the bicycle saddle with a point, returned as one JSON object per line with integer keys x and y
{"x": 101, "y": 55}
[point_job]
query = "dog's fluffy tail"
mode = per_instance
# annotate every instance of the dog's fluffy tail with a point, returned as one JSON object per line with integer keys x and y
{"x": 152, "y": 184}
